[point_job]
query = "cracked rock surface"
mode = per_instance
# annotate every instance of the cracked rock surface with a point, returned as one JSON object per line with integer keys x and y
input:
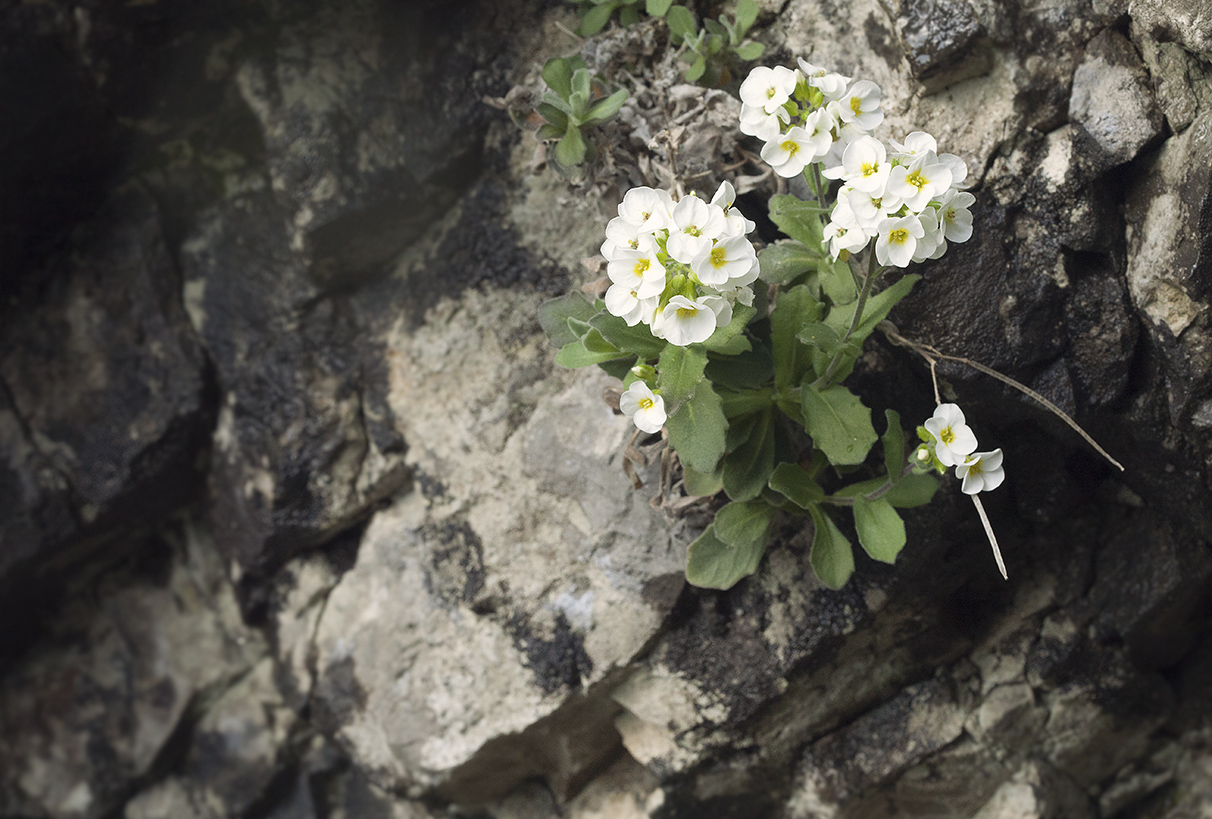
{"x": 300, "y": 520}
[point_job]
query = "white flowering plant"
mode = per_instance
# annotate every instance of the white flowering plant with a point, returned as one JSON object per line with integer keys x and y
{"x": 740, "y": 356}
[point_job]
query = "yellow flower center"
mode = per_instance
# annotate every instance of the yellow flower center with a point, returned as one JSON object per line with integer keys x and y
{"x": 899, "y": 237}
{"x": 870, "y": 168}
{"x": 791, "y": 147}
{"x": 641, "y": 267}
{"x": 917, "y": 180}
{"x": 646, "y": 403}
{"x": 856, "y": 105}
{"x": 770, "y": 92}
{"x": 947, "y": 436}
{"x": 717, "y": 256}
{"x": 687, "y": 312}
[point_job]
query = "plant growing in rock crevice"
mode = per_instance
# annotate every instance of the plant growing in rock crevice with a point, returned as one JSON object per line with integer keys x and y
{"x": 572, "y": 104}
{"x": 740, "y": 357}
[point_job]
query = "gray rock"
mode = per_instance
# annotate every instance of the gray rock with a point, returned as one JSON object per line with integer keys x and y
{"x": 1112, "y": 101}
{"x": 90, "y": 712}
{"x": 1186, "y": 22}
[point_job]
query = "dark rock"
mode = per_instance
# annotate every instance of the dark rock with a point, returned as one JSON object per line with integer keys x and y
{"x": 105, "y": 392}
{"x": 944, "y": 41}
{"x": 1186, "y": 22}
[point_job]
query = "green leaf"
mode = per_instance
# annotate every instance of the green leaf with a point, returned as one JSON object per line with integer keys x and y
{"x": 570, "y": 150}
{"x": 582, "y": 83}
{"x": 791, "y": 358}
{"x": 715, "y": 26}
{"x": 798, "y": 219}
{"x": 837, "y": 281}
{"x": 681, "y": 23}
{"x": 557, "y": 73}
{"x": 784, "y": 260}
{"x": 657, "y": 8}
{"x": 679, "y": 371}
{"x": 744, "y": 524}
{"x": 596, "y": 18}
{"x": 713, "y": 564}
{"x": 638, "y": 339}
{"x": 558, "y": 104}
{"x": 578, "y": 102}
{"x": 741, "y": 371}
{"x": 820, "y": 335}
{"x": 747, "y": 468}
{"x": 832, "y": 556}
{"x": 875, "y": 311}
{"x": 702, "y": 483}
{"x": 881, "y": 532}
{"x": 791, "y": 481}
{"x": 750, "y": 50}
{"x": 579, "y": 354}
{"x": 746, "y": 14}
{"x": 608, "y": 107}
{"x": 838, "y": 422}
{"x": 912, "y": 490}
{"x": 894, "y": 445}
{"x": 549, "y": 131}
{"x": 728, "y": 340}
{"x": 696, "y": 70}
{"x": 554, "y": 116}
{"x": 746, "y": 402}
{"x": 618, "y": 368}
{"x": 628, "y": 16}
{"x": 698, "y": 429}
{"x": 554, "y": 315}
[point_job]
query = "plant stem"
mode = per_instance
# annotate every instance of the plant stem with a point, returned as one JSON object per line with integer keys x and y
{"x": 836, "y": 361}
{"x": 874, "y": 494}
{"x": 997, "y": 553}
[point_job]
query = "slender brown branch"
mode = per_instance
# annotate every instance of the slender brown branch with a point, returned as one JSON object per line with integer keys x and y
{"x": 931, "y": 355}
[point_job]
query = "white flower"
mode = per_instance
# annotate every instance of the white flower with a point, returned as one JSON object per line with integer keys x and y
{"x": 981, "y": 472}
{"x": 686, "y": 322}
{"x": 735, "y": 222}
{"x": 791, "y": 152}
{"x": 768, "y": 88}
{"x": 861, "y": 104}
{"x": 954, "y": 215}
{"x": 931, "y": 245}
{"x": 865, "y": 165}
{"x": 626, "y": 303}
{"x": 919, "y": 142}
{"x": 646, "y": 208}
{"x": 843, "y": 232}
{"x": 953, "y": 439}
{"x": 638, "y": 270}
{"x": 896, "y": 241}
{"x": 870, "y": 208}
{"x": 695, "y": 224}
{"x": 620, "y": 235}
{"x": 831, "y": 84}
{"x": 643, "y": 406}
{"x": 919, "y": 182}
{"x": 730, "y": 258}
{"x": 958, "y": 168}
{"x": 756, "y": 122}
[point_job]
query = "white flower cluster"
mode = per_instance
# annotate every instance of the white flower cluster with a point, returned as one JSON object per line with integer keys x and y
{"x": 951, "y": 442}
{"x": 679, "y": 267}
{"x": 905, "y": 196}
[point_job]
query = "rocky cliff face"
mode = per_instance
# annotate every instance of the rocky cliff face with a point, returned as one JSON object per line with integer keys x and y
{"x": 301, "y": 521}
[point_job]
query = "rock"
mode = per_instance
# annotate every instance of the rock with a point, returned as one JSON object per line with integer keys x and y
{"x": 301, "y": 450}
{"x": 1038, "y": 792}
{"x": 944, "y": 41}
{"x": 1186, "y": 22}
{"x": 104, "y": 399}
{"x": 1112, "y": 101}
{"x": 1168, "y": 265}
{"x": 920, "y": 720}
{"x": 128, "y": 663}
{"x": 499, "y": 594}
{"x": 1170, "y": 68}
